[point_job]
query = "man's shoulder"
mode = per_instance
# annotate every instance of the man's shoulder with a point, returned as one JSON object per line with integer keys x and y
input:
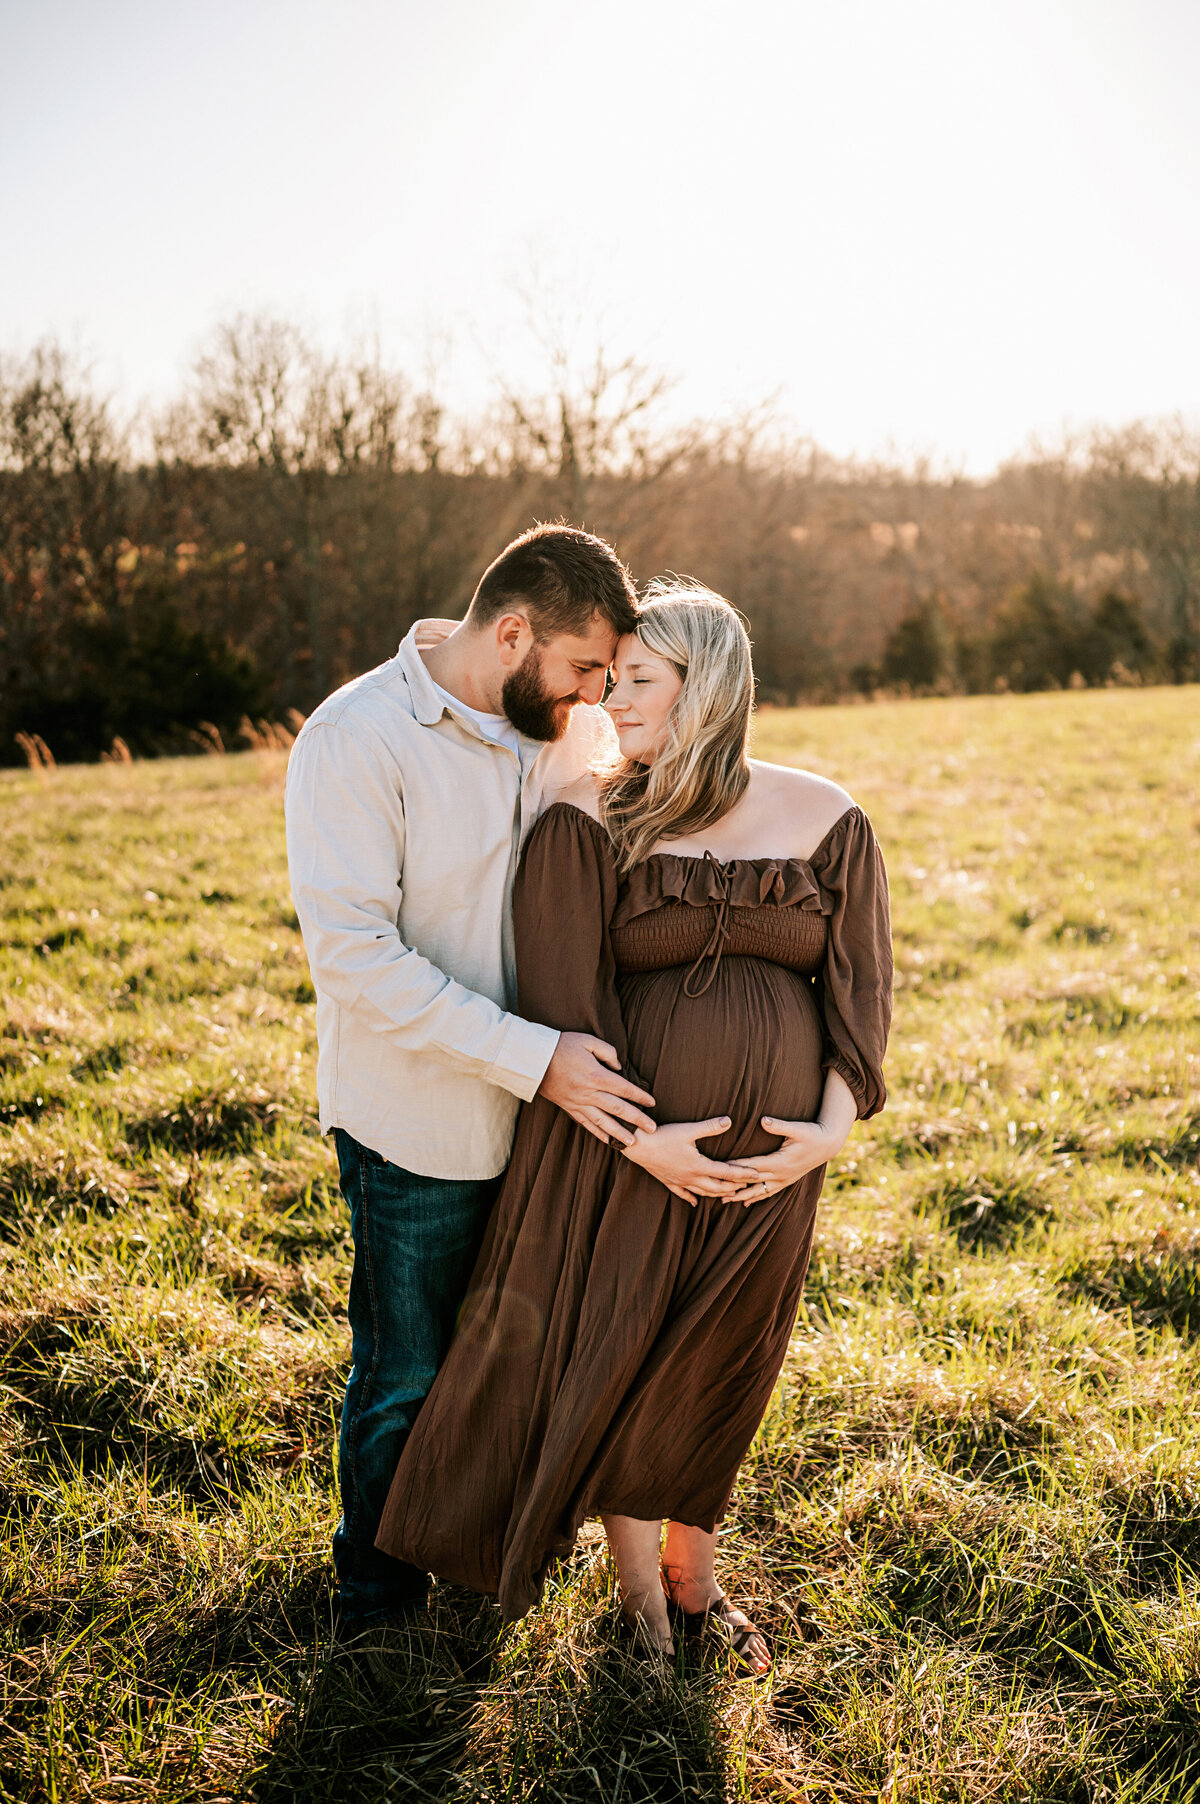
{"x": 372, "y": 713}
{"x": 367, "y": 700}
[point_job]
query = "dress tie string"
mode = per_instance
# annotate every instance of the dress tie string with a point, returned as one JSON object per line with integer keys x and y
{"x": 711, "y": 954}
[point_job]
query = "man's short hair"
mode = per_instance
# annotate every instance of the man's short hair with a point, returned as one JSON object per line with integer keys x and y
{"x": 561, "y": 578}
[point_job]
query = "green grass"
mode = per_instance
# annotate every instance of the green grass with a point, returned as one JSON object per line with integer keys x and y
{"x": 971, "y": 1521}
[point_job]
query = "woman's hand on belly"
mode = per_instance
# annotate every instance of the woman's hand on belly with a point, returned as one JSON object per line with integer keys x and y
{"x": 805, "y": 1144}
{"x": 671, "y": 1155}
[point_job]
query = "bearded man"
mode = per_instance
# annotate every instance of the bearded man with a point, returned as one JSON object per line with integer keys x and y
{"x": 410, "y": 792}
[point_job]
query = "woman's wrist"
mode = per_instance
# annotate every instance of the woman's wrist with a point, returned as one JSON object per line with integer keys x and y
{"x": 835, "y": 1134}
{"x": 838, "y": 1111}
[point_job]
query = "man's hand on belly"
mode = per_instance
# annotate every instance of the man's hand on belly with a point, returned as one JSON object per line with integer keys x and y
{"x": 584, "y": 1079}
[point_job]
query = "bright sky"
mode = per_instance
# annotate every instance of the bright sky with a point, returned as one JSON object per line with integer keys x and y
{"x": 937, "y": 226}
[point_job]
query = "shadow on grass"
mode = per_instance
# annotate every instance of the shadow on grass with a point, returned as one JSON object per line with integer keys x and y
{"x": 98, "y": 1671}
{"x": 177, "y": 1655}
{"x": 987, "y": 1210}
{"x": 1100, "y": 1012}
{"x": 635, "y": 1733}
{"x": 1178, "y": 1148}
{"x": 351, "y": 1735}
{"x": 465, "y": 1723}
{"x": 996, "y": 1440}
{"x": 184, "y": 1424}
{"x": 1164, "y": 1763}
{"x": 1157, "y": 1283}
{"x": 1156, "y": 1520}
{"x": 50, "y": 1184}
{"x": 210, "y": 1121}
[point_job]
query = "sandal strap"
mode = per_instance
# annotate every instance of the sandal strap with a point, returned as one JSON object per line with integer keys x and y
{"x": 740, "y": 1634}
{"x": 718, "y": 1612}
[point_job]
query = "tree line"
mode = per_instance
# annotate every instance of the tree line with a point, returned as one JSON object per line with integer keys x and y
{"x": 184, "y": 579}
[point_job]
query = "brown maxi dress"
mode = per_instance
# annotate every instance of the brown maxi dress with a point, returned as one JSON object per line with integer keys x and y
{"x": 617, "y": 1348}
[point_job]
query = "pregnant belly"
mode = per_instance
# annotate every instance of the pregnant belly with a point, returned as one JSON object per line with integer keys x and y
{"x": 750, "y": 1046}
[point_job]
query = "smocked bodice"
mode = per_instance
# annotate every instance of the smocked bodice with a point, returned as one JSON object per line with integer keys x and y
{"x": 697, "y": 911}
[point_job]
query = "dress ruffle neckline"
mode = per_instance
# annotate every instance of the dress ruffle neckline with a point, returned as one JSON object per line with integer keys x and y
{"x": 705, "y": 882}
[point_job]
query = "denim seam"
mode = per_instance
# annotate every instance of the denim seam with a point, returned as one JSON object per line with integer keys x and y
{"x": 369, "y": 1379}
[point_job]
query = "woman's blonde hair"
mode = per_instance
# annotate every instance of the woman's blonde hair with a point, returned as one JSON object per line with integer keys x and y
{"x": 703, "y": 767}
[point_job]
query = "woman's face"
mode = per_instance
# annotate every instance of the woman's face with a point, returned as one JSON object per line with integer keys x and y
{"x": 641, "y": 698}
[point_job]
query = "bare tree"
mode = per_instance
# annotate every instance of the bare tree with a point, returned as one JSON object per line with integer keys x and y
{"x": 61, "y": 510}
{"x": 264, "y": 399}
{"x": 595, "y": 412}
{"x": 1145, "y": 483}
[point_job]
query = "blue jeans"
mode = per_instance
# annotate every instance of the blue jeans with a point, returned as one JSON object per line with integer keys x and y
{"x": 415, "y": 1241}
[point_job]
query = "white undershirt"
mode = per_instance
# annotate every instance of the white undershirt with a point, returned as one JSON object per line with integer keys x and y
{"x": 496, "y": 727}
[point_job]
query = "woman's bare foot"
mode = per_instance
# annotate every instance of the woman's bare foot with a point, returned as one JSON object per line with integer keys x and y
{"x": 650, "y": 1625}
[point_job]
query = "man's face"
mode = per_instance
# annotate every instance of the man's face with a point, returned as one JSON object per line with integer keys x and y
{"x": 571, "y": 667}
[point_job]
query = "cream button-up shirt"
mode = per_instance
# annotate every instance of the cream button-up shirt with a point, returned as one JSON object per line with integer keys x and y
{"x": 404, "y": 826}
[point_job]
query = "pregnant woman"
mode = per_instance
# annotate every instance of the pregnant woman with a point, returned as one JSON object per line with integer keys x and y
{"x": 723, "y": 924}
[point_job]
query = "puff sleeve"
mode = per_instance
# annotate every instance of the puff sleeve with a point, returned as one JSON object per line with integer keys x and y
{"x": 855, "y": 986}
{"x": 563, "y": 902}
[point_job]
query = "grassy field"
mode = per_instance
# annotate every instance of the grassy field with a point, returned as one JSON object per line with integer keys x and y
{"x": 971, "y": 1521}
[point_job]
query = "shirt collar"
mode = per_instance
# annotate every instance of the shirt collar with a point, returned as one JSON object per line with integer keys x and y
{"x": 428, "y": 705}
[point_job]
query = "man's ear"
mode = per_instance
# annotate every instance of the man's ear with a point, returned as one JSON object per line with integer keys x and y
{"x": 514, "y": 635}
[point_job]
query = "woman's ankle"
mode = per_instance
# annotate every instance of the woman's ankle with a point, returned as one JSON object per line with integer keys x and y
{"x": 690, "y": 1591}
{"x": 650, "y": 1604}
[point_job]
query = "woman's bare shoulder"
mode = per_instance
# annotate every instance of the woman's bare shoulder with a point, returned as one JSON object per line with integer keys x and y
{"x": 582, "y": 793}
{"x": 805, "y": 806}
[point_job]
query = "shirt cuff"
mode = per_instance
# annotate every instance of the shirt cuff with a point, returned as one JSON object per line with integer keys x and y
{"x": 525, "y": 1052}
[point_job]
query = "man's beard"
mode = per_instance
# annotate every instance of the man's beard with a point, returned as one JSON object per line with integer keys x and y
{"x": 527, "y": 704}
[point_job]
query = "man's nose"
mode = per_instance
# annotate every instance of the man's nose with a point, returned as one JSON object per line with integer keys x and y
{"x": 592, "y": 687}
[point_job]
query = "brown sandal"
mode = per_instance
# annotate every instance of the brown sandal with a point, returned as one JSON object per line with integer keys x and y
{"x": 737, "y": 1635}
